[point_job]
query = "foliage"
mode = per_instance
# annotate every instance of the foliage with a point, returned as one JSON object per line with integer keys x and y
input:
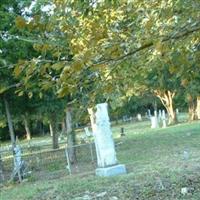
{"x": 102, "y": 35}
{"x": 95, "y": 51}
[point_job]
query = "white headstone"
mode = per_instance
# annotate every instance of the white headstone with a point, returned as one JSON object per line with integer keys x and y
{"x": 154, "y": 120}
{"x": 103, "y": 136}
{"x": 159, "y": 115}
{"x": 185, "y": 154}
{"x": 155, "y": 113}
{"x": 105, "y": 148}
{"x": 164, "y": 119}
{"x": 139, "y": 117}
{"x": 149, "y": 113}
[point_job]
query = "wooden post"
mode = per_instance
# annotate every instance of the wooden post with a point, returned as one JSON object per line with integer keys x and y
{"x": 68, "y": 161}
{"x": 1, "y": 169}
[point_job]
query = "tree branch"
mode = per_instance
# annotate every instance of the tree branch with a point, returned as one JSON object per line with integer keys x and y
{"x": 175, "y": 36}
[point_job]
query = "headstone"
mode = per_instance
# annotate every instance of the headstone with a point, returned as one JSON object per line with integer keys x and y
{"x": 177, "y": 113}
{"x": 149, "y": 113}
{"x": 154, "y": 120}
{"x": 146, "y": 115}
{"x": 159, "y": 115}
{"x": 155, "y": 113}
{"x": 139, "y": 117}
{"x": 186, "y": 154}
{"x": 164, "y": 124}
{"x": 105, "y": 148}
{"x": 122, "y": 132}
{"x": 124, "y": 118}
{"x": 184, "y": 191}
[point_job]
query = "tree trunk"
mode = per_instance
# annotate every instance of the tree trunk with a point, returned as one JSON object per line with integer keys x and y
{"x": 70, "y": 137}
{"x": 166, "y": 98}
{"x": 198, "y": 108}
{"x": 10, "y": 124}
{"x": 12, "y": 135}
{"x": 64, "y": 128}
{"x": 192, "y": 106}
{"x": 171, "y": 113}
{"x": 53, "y": 131}
{"x": 26, "y": 125}
{"x": 50, "y": 129}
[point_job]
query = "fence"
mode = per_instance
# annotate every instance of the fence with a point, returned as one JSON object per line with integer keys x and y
{"x": 43, "y": 162}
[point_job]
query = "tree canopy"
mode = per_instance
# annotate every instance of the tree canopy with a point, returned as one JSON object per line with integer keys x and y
{"x": 93, "y": 51}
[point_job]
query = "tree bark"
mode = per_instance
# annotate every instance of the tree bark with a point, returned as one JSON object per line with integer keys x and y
{"x": 70, "y": 137}
{"x": 192, "y": 108}
{"x": 64, "y": 128}
{"x": 11, "y": 131}
{"x": 10, "y": 124}
{"x": 50, "y": 129}
{"x": 166, "y": 98}
{"x": 198, "y": 108}
{"x": 26, "y": 125}
{"x": 53, "y": 130}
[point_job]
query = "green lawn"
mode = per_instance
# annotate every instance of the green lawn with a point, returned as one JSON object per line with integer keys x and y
{"x": 157, "y": 167}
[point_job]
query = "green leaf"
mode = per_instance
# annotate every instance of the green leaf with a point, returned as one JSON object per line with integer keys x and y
{"x": 30, "y": 94}
{"x": 21, "y": 93}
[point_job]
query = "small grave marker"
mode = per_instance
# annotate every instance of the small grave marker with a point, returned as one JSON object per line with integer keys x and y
{"x": 122, "y": 132}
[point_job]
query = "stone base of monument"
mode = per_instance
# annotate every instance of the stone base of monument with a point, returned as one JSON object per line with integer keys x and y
{"x": 111, "y": 171}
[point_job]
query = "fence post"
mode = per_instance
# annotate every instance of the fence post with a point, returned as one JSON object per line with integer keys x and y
{"x": 68, "y": 161}
{"x": 1, "y": 169}
{"x": 17, "y": 163}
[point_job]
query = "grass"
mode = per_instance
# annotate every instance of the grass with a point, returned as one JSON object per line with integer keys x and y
{"x": 156, "y": 162}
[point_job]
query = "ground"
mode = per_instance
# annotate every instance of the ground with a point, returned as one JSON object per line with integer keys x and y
{"x": 161, "y": 164}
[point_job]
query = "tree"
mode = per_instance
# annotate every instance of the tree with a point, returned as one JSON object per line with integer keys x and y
{"x": 104, "y": 36}
{"x": 52, "y": 108}
{"x": 8, "y": 11}
{"x": 190, "y": 78}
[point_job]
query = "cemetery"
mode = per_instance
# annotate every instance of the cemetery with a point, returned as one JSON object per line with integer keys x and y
{"x": 99, "y": 99}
